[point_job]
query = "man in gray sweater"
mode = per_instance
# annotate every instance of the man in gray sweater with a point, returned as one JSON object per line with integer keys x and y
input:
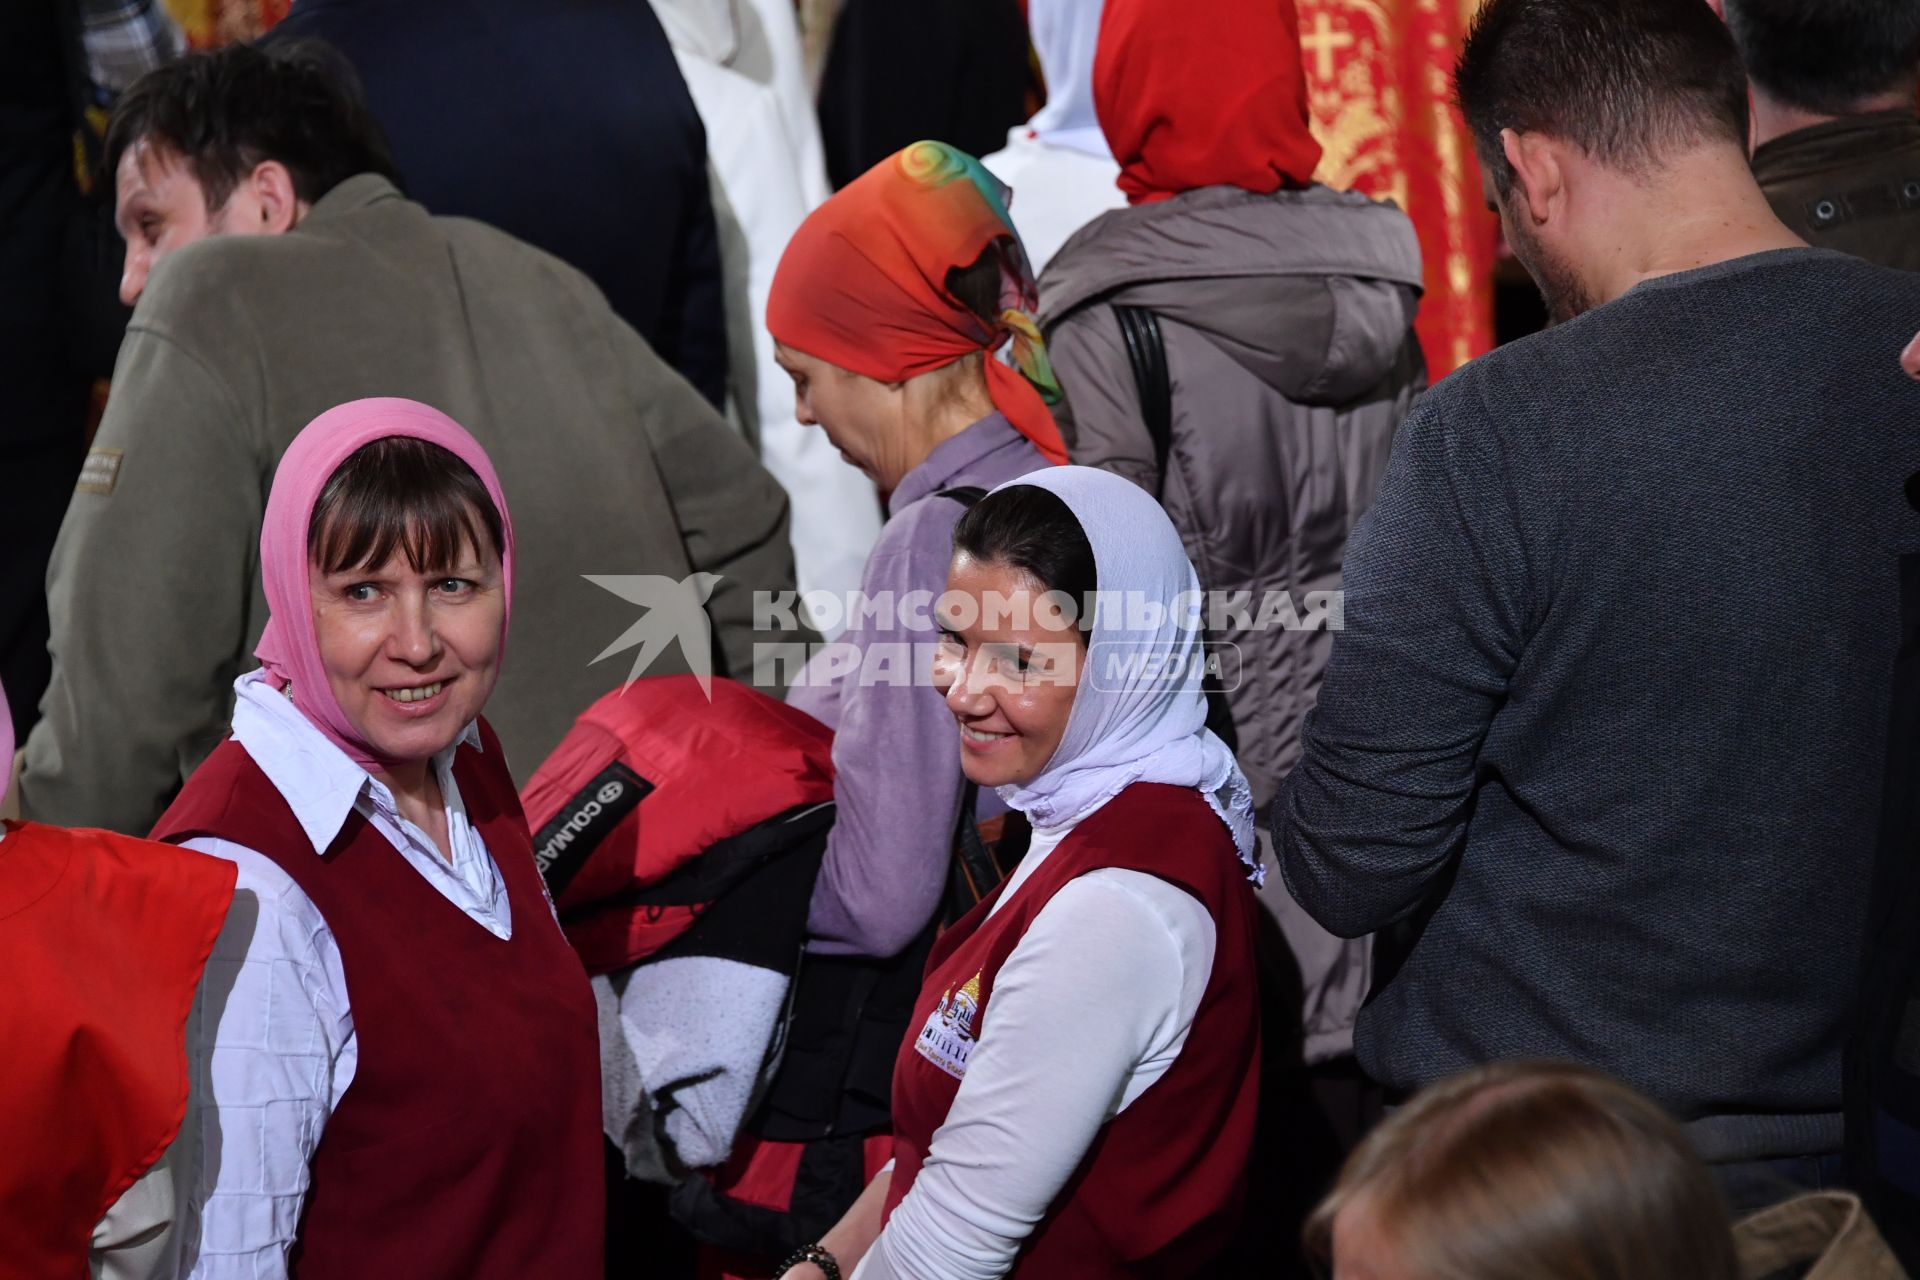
{"x": 279, "y": 272}
{"x": 1602, "y": 739}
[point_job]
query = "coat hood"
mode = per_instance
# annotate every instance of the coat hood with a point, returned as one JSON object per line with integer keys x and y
{"x": 1065, "y": 35}
{"x": 1310, "y": 291}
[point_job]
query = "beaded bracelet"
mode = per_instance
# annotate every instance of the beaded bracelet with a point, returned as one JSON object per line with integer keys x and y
{"x": 813, "y": 1253}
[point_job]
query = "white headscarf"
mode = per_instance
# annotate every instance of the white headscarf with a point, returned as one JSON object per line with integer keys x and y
{"x": 1065, "y": 34}
{"x": 1127, "y": 725}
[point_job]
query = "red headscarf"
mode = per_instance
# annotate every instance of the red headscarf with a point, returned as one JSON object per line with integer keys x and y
{"x": 1203, "y": 94}
{"x": 862, "y": 284}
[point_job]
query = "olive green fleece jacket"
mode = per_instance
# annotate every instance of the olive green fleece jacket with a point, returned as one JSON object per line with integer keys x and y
{"x": 611, "y": 462}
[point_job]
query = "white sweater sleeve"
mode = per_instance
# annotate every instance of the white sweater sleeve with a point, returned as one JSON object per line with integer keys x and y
{"x": 271, "y": 1048}
{"x": 1090, "y": 1009}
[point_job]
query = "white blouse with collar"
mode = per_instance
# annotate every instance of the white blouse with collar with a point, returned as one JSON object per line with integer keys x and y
{"x": 271, "y": 1035}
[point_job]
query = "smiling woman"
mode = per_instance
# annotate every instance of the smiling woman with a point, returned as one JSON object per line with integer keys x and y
{"x": 1022, "y": 596}
{"x": 405, "y": 577}
{"x": 387, "y": 557}
{"x": 1076, "y": 1093}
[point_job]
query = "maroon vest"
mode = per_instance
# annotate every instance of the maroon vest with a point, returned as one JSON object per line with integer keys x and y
{"x": 1160, "y": 1190}
{"x": 468, "y": 1146}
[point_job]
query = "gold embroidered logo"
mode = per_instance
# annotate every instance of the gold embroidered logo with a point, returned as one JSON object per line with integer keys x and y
{"x": 947, "y": 1039}
{"x": 100, "y": 472}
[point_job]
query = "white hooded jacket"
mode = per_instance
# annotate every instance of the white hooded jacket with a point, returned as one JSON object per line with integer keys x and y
{"x": 742, "y": 63}
{"x": 1062, "y": 173}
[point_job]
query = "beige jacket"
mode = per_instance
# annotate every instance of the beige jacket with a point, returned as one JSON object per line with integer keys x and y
{"x": 612, "y": 464}
{"x": 1824, "y": 1236}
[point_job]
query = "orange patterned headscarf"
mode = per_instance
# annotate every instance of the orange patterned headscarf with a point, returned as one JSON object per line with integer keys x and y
{"x": 863, "y": 283}
{"x": 1208, "y": 94}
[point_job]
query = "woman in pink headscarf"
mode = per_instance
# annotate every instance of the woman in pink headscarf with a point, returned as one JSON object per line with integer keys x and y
{"x": 403, "y": 1064}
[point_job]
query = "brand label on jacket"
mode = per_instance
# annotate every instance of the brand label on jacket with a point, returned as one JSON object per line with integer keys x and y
{"x": 563, "y": 846}
{"x": 100, "y": 472}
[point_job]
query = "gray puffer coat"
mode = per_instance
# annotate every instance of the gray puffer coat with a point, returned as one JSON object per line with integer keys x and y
{"x": 1287, "y": 321}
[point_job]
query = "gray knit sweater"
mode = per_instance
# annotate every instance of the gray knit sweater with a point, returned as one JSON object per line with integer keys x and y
{"x": 1604, "y": 733}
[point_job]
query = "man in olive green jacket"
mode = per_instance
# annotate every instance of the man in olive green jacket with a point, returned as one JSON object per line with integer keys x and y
{"x": 287, "y": 276}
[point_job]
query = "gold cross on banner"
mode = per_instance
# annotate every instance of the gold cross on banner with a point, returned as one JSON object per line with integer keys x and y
{"x": 1323, "y": 43}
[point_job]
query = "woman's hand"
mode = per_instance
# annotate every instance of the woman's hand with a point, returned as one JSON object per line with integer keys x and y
{"x": 853, "y": 1235}
{"x": 859, "y": 1227}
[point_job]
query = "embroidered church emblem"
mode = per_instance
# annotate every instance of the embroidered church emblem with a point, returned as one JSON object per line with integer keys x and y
{"x": 947, "y": 1038}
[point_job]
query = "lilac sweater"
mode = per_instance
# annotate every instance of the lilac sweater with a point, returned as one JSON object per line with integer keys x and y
{"x": 896, "y": 753}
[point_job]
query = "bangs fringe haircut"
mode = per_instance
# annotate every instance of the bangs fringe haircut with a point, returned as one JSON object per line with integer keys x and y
{"x": 406, "y": 495}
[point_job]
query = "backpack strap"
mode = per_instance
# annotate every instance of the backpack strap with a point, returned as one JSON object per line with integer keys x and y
{"x": 964, "y": 494}
{"x": 1147, "y": 354}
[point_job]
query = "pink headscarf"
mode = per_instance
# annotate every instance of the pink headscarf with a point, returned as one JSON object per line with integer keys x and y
{"x": 6, "y": 740}
{"x": 289, "y": 649}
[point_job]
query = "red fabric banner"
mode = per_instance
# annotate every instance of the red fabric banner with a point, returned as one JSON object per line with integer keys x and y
{"x": 212, "y": 23}
{"x": 1380, "y": 87}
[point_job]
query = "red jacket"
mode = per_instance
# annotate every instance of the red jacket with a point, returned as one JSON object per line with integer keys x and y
{"x": 102, "y": 940}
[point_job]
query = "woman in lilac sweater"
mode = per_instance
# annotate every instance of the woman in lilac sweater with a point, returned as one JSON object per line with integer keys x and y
{"x": 885, "y": 311}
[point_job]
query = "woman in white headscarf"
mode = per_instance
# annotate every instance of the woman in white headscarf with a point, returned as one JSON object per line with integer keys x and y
{"x": 1058, "y": 163}
{"x": 1077, "y": 1096}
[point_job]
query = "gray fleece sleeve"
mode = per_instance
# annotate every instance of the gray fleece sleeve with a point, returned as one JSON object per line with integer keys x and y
{"x": 149, "y": 592}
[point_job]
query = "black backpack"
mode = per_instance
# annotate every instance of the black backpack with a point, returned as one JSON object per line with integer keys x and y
{"x": 834, "y": 1085}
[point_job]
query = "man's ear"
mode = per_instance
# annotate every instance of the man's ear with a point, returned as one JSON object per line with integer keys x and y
{"x": 273, "y": 191}
{"x": 1538, "y": 179}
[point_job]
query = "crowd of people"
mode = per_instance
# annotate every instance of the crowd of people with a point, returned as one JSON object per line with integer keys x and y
{"x": 1288, "y": 815}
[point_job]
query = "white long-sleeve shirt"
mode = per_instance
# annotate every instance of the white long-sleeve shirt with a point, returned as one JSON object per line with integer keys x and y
{"x": 271, "y": 1037}
{"x": 1089, "y": 1010}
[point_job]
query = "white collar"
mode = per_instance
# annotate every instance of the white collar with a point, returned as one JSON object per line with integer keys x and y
{"x": 315, "y": 777}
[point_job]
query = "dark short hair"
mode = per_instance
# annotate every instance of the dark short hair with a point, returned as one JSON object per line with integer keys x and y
{"x": 227, "y": 111}
{"x": 1030, "y": 529}
{"x": 1827, "y": 56}
{"x": 406, "y": 494}
{"x": 1625, "y": 80}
